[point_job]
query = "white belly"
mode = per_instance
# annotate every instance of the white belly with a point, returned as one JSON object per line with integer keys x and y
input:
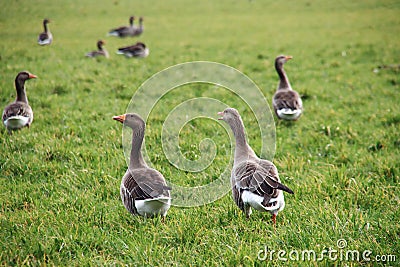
{"x": 152, "y": 207}
{"x": 255, "y": 201}
{"x": 16, "y": 122}
{"x": 46, "y": 41}
{"x": 289, "y": 114}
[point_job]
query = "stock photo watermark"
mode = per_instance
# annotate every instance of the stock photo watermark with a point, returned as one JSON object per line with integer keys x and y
{"x": 340, "y": 253}
{"x": 155, "y": 89}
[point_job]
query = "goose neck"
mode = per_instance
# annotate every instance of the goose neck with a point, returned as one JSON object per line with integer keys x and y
{"x": 284, "y": 80}
{"x": 136, "y": 159}
{"x": 21, "y": 94}
{"x": 242, "y": 148}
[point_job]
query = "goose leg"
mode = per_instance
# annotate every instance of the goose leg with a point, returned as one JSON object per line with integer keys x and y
{"x": 274, "y": 219}
{"x": 247, "y": 211}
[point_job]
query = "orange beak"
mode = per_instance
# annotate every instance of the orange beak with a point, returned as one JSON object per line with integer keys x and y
{"x": 288, "y": 57}
{"x": 31, "y": 76}
{"x": 120, "y": 118}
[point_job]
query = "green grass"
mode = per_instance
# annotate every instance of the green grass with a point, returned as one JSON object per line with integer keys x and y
{"x": 60, "y": 179}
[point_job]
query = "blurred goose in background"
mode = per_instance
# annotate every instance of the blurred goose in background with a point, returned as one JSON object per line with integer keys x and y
{"x": 286, "y": 102}
{"x": 45, "y": 38}
{"x": 143, "y": 190}
{"x": 137, "y": 50}
{"x": 255, "y": 182}
{"x": 19, "y": 114}
{"x": 101, "y": 51}
{"x": 124, "y": 31}
{"x": 139, "y": 30}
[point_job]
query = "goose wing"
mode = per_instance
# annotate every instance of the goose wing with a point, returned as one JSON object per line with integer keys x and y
{"x": 122, "y": 31}
{"x": 43, "y": 36}
{"x": 142, "y": 184}
{"x": 133, "y": 50}
{"x": 260, "y": 178}
{"x": 287, "y": 99}
{"x": 145, "y": 184}
{"x": 17, "y": 109}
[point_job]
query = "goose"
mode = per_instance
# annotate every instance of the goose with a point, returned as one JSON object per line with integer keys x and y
{"x": 143, "y": 190}
{"x": 286, "y": 102}
{"x": 19, "y": 114}
{"x": 101, "y": 51}
{"x": 255, "y": 182}
{"x": 137, "y": 50}
{"x": 138, "y": 30}
{"x": 124, "y": 31}
{"x": 45, "y": 38}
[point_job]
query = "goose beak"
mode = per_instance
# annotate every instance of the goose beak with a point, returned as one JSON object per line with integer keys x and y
{"x": 221, "y": 114}
{"x": 32, "y": 76}
{"x": 288, "y": 57}
{"x": 120, "y": 118}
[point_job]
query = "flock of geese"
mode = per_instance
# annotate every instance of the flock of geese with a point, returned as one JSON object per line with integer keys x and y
{"x": 255, "y": 182}
{"x": 138, "y": 50}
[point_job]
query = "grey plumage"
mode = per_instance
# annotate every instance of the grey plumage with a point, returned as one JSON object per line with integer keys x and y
{"x": 255, "y": 182}
{"x": 286, "y": 102}
{"x": 19, "y": 114}
{"x": 46, "y": 37}
{"x": 138, "y": 50}
{"x": 101, "y": 51}
{"x": 143, "y": 190}
{"x": 128, "y": 31}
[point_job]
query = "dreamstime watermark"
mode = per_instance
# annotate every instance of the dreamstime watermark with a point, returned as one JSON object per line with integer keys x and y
{"x": 151, "y": 94}
{"x": 340, "y": 253}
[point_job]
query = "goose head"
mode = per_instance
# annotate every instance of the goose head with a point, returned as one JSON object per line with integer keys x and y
{"x": 229, "y": 115}
{"x": 141, "y": 45}
{"x": 280, "y": 60}
{"x": 25, "y": 75}
{"x": 132, "y": 120}
{"x": 100, "y": 44}
{"x": 131, "y": 19}
{"x": 21, "y": 78}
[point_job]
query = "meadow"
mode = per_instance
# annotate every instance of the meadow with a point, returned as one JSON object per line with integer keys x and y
{"x": 59, "y": 179}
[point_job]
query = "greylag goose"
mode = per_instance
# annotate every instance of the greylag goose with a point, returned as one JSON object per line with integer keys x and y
{"x": 19, "y": 114}
{"x": 143, "y": 190}
{"x": 137, "y": 50}
{"x": 255, "y": 182}
{"x": 124, "y": 31}
{"x": 45, "y": 38}
{"x": 286, "y": 102}
{"x": 139, "y": 30}
{"x": 101, "y": 51}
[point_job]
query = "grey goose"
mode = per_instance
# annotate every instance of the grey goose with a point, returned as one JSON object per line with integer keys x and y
{"x": 143, "y": 190}
{"x": 255, "y": 182}
{"x": 19, "y": 114}
{"x": 45, "y": 38}
{"x": 286, "y": 101}
{"x": 139, "y": 30}
{"x": 124, "y": 31}
{"x": 138, "y": 50}
{"x": 101, "y": 51}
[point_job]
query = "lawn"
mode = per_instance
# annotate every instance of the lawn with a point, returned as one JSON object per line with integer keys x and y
{"x": 60, "y": 178}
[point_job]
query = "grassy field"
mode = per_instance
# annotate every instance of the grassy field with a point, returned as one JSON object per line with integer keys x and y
{"x": 60, "y": 179}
